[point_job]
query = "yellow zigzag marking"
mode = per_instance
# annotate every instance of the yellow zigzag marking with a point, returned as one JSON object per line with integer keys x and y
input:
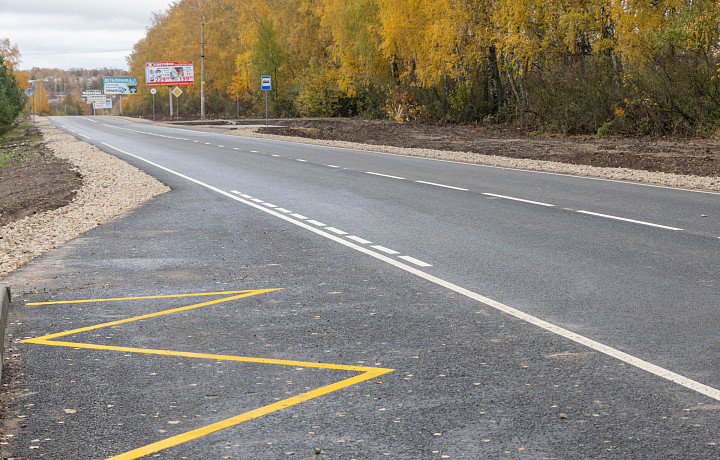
{"x": 366, "y": 373}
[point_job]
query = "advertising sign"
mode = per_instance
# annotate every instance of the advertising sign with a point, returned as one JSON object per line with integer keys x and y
{"x": 93, "y": 95}
{"x": 169, "y": 73}
{"x": 120, "y": 85}
{"x": 106, "y": 104}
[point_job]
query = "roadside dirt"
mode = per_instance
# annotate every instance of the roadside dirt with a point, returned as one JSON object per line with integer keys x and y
{"x": 675, "y": 156}
{"x": 34, "y": 180}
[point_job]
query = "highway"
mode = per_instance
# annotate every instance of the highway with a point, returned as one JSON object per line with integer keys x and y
{"x": 490, "y": 312}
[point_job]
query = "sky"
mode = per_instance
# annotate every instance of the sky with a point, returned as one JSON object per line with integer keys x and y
{"x": 68, "y": 34}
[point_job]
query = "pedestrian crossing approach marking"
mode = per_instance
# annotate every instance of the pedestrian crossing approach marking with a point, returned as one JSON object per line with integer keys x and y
{"x": 362, "y": 373}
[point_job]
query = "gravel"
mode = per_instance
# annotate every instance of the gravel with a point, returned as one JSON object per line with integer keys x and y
{"x": 112, "y": 187}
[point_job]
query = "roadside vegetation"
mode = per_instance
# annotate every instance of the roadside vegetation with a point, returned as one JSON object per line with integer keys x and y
{"x": 12, "y": 100}
{"x": 633, "y": 67}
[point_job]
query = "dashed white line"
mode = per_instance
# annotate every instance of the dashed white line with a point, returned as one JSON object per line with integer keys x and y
{"x": 270, "y": 205}
{"x": 441, "y": 185}
{"x": 301, "y": 160}
{"x": 286, "y": 211}
{"x": 235, "y": 148}
{"x": 519, "y": 199}
{"x": 298, "y": 216}
{"x": 257, "y": 200}
{"x": 385, "y": 250}
{"x": 570, "y": 335}
{"x": 314, "y": 222}
{"x": 359, "y": 240}
{"x": 332, "y": 166}
{"x": 336, "y": 230}
{"x": 221, "y": 146}
{"x": 413, "y": 260}
{"x": 640, "y": 222}
{"x": 385, "y": 175}
{"x": 86, "y": 137}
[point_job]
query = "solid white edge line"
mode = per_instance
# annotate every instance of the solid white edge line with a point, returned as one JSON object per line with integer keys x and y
{"x": 385, "y": 175}
{"x": 505, "y": 197}
{"x": 86, "y": 137}
{"x": 415, "y": 261}
{"x": 562, "y": 332}
{"x": 441, "y": 185}
{"x": 640, "y": 222}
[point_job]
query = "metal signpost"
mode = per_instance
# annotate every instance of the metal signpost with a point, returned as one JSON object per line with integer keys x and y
{"x": 30, "y": 92}
{"x": 177, "y": 92}
{"x": 153, "y": 91}
{"x": 266, "y": 85}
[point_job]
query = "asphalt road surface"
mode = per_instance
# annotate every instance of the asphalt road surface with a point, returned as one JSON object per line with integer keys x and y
{"x": 295, "y": 301}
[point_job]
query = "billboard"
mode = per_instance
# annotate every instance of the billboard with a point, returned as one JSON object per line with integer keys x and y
{"x": 106, "y": 104}
{"x": 169, "y": 73}
{"x": 92, "y": 95}
{"x": 120, "y": 85}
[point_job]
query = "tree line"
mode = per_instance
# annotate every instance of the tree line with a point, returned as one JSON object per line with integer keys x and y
{"x": 570, "y": 66}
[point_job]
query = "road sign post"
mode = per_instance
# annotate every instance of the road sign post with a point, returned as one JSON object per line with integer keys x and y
{"x": 266, "y": 85}
{"x": 153, "y": 91}
{"x": 177, "y": 92}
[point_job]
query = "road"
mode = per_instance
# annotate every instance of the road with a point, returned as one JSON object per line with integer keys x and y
{"x": 370, "y": 306}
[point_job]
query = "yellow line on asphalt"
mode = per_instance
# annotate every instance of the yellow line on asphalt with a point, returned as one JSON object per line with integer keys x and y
{"x": 154, "y": 315}
{"x": 200, "y": 432}
{"x": 366, "y": 373}
{"x": 188, "y": 354}
{"x": 136, "y": 298}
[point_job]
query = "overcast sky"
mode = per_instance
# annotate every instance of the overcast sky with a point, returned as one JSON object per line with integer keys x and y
{"x": 76, "y": 33}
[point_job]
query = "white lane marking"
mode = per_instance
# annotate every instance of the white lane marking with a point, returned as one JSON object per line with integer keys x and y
{"x": 208, "y": 143}
{"x": 415, "y": 261}
{"x": 221, "y": 146}
{"x": 86, "y": 118}
{"x": 286, "y": 211}
{"x": 275, "y": 155}
{"x": 257, "y": 200}
{"x": 254, "y": 151}
{"x": 336, "y": 230}
{"x": 314, "y": 222}
{"x": 197, "y": 142}
{"x": 302, "y": 161}
{"x": 640, "y": 222}
{"x": 385, "y": 175}
{"x": 235, "y": 148}
{"x": 298, "y": 216}
{"x": 385, "y": 250}
{"x": 359, "y": 240}
{"x": 441, "y": 185}
{"x": 270, "y": 205}
{"x": 562, "y": 332}
{"x": 519, "y": 199}
{"x": 332, "y": 166}
{"x": 86, "y": 137}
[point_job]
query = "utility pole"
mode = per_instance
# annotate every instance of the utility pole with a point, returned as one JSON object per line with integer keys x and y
{"x": 202, "y": 70}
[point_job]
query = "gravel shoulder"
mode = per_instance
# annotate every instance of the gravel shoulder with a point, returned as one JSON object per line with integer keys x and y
{"x": 110, "y": 187}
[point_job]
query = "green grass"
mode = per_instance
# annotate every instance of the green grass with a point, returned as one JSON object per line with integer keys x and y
{"x": 17, "y": 135}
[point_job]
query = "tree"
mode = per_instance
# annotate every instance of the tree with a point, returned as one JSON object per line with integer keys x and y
{"x": 11, "y": 98}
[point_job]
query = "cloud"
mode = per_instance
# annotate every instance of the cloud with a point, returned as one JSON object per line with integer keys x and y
{"x": 77, "y": 33}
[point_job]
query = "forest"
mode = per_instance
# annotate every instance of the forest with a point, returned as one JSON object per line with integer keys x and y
{"x": 632, "y": 67}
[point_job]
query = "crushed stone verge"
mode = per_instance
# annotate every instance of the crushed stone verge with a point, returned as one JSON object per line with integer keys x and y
{"x": 110, "y": 188}
{"x": 619, "y": 174}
